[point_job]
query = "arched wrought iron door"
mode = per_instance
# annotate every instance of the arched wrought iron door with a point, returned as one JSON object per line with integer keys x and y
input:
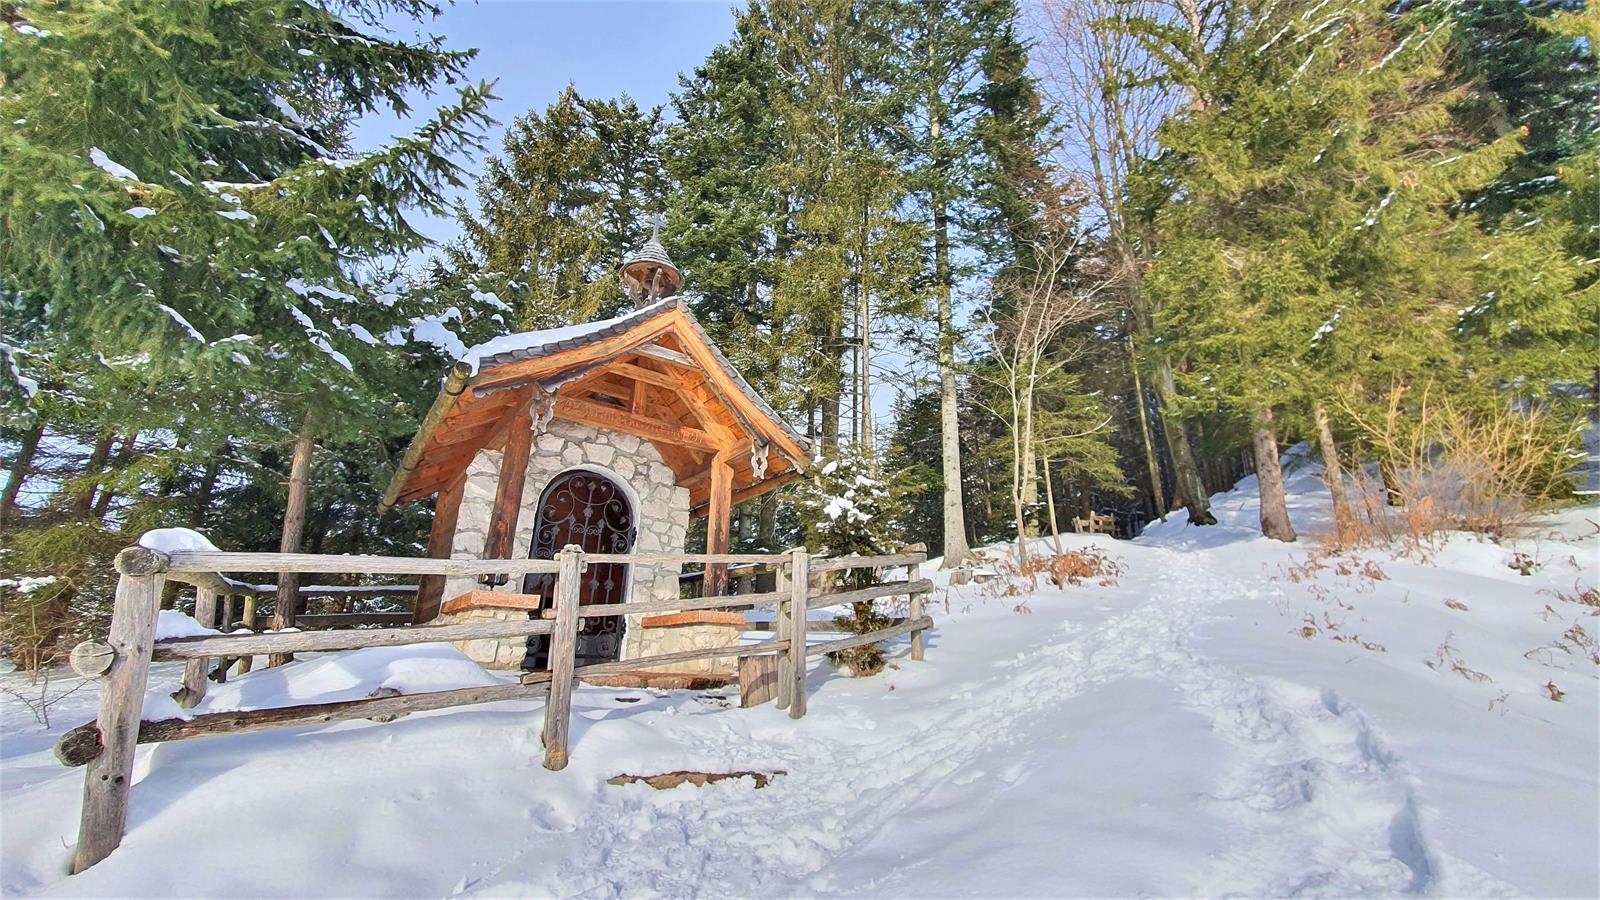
{"x": 594, "y": 512}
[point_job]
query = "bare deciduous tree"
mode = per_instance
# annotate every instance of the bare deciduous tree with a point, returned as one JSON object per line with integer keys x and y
{"x": 1026, "y": 331}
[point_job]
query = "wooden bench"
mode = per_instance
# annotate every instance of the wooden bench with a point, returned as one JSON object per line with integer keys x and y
{"x": 1095, "y": 524}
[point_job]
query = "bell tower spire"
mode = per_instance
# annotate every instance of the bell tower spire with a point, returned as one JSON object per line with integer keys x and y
{"x": 649, "y": 275}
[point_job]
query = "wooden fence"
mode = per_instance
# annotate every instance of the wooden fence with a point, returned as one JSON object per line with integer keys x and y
{"x": 107, "y": 745}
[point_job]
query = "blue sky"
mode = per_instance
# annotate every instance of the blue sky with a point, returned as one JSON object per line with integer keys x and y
{"x": 535, "y": 49}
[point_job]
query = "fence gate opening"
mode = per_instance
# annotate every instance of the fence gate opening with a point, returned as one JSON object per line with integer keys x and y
{"x": 592, "y": 511}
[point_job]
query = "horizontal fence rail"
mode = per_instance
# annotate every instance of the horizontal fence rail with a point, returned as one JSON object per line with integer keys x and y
{"x": 106, "y": 745}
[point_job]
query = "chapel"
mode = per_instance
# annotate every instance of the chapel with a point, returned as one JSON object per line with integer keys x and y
{"x": 611, "y": 435}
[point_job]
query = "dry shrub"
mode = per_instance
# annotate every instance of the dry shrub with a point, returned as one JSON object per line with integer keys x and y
{"x": 1072, "y": 567}
{"x": 1454, "y": 468}
{"x": 1447, "y": 659}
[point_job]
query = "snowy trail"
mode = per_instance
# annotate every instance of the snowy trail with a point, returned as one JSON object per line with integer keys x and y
{"x": 1317, "y": 801}
{"x": 1172, "y": 734}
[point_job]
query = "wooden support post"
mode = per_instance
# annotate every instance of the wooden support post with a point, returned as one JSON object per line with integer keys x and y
{"x": 800, "y": 573}
{"x": 226, "y": 626}
{"x": 563, "y": 650}
{"x": 110, "y": 775}
{"x": 918, "y": 642}
{"x": 249, "y": 620}
{"x": 786, "y": 658}
{"x": 194, "y": 671}
{"x": 508, "y": 491}
{"x": 717, "y": 522}
{"x": 441, "y": 540}
{"x": 913, "y": 572}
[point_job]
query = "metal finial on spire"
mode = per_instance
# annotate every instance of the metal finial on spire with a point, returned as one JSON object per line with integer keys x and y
{"x": 649, "y": 275}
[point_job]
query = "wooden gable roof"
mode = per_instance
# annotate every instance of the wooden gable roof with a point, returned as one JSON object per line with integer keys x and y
{"x": 652, "y": 373}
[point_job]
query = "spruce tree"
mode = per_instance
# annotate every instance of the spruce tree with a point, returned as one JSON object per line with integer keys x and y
{"x": 1315, "y": 248}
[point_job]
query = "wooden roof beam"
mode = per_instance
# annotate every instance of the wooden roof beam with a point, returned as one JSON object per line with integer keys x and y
{"x": 598, "y": 415}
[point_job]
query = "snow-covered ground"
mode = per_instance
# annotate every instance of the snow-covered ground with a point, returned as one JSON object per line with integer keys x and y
{"x": 1222, "y": 719}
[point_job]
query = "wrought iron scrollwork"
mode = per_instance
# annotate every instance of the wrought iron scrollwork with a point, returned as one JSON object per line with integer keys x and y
{"x": 594, "y": 512}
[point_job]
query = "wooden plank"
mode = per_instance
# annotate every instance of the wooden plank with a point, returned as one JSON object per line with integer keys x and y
{"x": 133, "y": 631}
{"x": 441, "y": 541}
{"x": 353, "y": 620}
{"x": 311, "y": 641}
{"x": 508, "y": 490}
{"x": 717, "y": 522}
{"x": 194, "y": 672}
{"x": 628, "y": 665}
{"x": 893, "y": 588}
{"x": 680, "y": 558}
{"x": 667, "y": 355}
{"x": 219, "y": 561}
{"x": 873, "y": 637}
{"x": 648, "y": 376}
{"x": 868, "y": 562}
{"x": 813, "y": 626}
{"x": 652, "y": 607}
{"x": 81, "y": 744}
{"x": 758, "y": 679}
{"x": 598, "y": 415}
{"x": 563, "y": 649}
{"x": 753, "y": 491}
{"x": 562, "y": 360}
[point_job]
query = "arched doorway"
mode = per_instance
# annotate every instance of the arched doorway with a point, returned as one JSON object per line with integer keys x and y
{"x": 595, "y": 512}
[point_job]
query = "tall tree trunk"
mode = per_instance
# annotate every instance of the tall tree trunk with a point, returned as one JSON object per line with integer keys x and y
{"x": 83, "y": 503}
{"x": 1050, "y": 501}
{"x": 956, "y": 548}
{"x": 1186, "y": 474}
{"x": 21, "y": 467}
{"x": 1157, "y": 495}
{"x": 1269, "y": 478}
{"x": 1029, "y": 470}
{"x": 864, "y": 360}
{"x": 832, "y": 386}
{"x": 1333, "y": 472}
{"x": 1017, "y": 441}
{"x": 294, "y": 522}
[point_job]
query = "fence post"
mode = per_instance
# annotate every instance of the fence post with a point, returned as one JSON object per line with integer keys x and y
{"x": 785, "y": 658}
{"x": 918, "y": 642}
{"x": 563, "y": 648}
{"x": 194, "y": 671}
{"x": 226, "y": 627}
{"x": 249, "y": 614}
{"x": 109, "y": 775}
{"x": 799, "y": 598}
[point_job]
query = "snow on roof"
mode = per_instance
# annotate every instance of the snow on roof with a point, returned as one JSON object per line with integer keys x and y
{"x": 528, "y": 344}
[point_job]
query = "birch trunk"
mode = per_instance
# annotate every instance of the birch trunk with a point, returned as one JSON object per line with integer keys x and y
{"x": 1269, "y": 479}
{"x": 1050, "y": 501}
